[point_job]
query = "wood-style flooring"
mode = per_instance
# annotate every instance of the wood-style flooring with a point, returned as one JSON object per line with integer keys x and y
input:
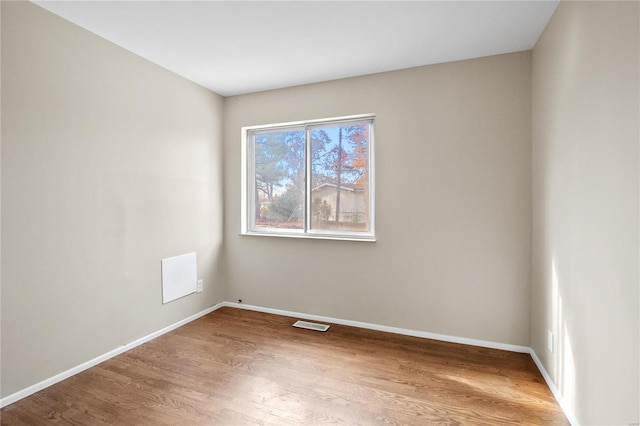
{"x": 238, "y": 367}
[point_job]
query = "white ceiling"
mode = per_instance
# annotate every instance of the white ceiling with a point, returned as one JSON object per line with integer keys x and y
{"x": 235, "y": 47}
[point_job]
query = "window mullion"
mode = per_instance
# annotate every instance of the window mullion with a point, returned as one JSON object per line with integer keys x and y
{"x": 307, "y": 180}
{"x": 250, "y": 183}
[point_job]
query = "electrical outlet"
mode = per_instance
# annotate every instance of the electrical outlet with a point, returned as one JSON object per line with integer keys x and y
{"x": 200, "y": 286}
{"x": 550, "y": 340}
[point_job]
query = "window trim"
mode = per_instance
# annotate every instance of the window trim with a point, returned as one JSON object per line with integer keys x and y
{"x": 248, "y": 166}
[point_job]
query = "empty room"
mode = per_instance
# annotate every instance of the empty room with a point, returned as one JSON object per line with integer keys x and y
{"x": 305, "y": 212}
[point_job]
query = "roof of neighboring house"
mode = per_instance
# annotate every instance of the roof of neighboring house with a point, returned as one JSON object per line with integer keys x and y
{"x": 357, "y": 187}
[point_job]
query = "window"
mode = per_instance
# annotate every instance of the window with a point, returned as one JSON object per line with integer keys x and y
{"x": 309, "y": 179}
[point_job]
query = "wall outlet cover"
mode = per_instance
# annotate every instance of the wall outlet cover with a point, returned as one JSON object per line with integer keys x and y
{"x": 200, "y": 286}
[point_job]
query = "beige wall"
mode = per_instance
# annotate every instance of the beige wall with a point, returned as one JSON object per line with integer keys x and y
{"x": 585, "y": 200}
{"x": 453, "y": 204}
{"x": 109, "y": 164}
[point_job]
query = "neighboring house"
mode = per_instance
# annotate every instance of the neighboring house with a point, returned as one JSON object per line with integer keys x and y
{"x": 352, "y": 200}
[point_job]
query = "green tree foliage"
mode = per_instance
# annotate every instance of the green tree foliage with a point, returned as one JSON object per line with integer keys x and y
{"x": 271, "y": 150}
{"x": 279, "y": 171}
{"x": 285, "y": 207}
{"x": 321, "y": 209}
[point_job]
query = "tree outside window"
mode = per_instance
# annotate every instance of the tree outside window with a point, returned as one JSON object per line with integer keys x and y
{"x": 313, "y": 179}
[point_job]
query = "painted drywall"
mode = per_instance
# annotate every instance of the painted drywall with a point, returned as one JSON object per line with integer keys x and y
{"x": 585, "y": 208}
{"x": 453, "y": 204}
{"x": 109, "y": 164}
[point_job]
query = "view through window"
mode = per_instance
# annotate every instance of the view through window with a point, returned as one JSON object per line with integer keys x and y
{"x": 310, "y": 179}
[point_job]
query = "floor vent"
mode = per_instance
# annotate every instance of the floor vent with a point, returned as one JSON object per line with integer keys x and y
{"x": 311, "y": 326}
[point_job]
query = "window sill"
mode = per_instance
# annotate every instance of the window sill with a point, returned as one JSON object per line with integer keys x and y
{"x": 338, "y": 237}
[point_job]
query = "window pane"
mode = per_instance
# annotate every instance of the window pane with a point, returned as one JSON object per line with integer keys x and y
{"x": 279, "y": 179}
{"x": 340, "y": 178}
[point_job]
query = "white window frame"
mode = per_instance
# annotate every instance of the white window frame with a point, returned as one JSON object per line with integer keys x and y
{"x": 248, "y": 183}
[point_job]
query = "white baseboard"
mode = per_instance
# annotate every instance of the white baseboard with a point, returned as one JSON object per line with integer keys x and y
{"x": 554, "y": 390}
{"x": 10, "y": 399}
{"x": 395, "y": 330}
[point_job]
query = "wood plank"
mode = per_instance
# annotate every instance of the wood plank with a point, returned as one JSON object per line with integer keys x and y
{"x": 242, "y": 367}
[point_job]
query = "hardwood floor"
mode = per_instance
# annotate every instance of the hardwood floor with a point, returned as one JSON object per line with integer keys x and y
{"x": 237, "y": 367}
